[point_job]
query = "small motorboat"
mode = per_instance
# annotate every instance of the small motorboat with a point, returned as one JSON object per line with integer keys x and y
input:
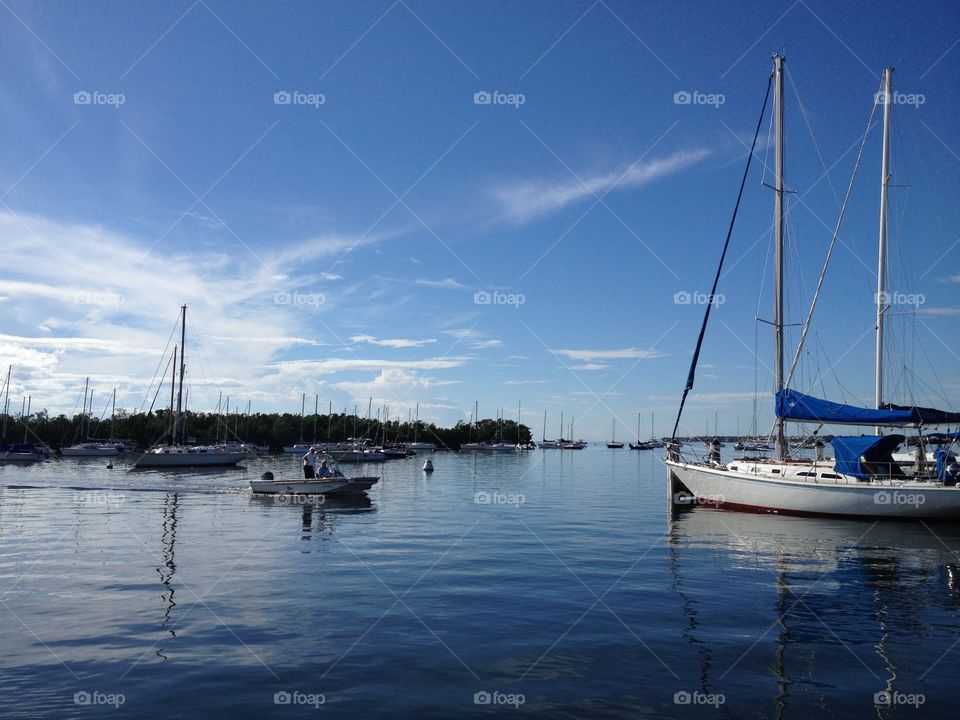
{"x": 335, "y": 483}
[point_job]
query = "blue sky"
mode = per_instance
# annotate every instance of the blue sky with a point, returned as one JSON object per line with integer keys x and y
{"x": 329, "y": 191}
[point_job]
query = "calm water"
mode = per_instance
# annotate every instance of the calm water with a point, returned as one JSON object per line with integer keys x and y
{"x": 548, "y": 584}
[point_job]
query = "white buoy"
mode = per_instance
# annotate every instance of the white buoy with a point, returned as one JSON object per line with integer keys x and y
{"x": 428, "y": 466}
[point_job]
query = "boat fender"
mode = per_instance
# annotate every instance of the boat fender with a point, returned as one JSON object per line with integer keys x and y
{"x": 267, "y": 476}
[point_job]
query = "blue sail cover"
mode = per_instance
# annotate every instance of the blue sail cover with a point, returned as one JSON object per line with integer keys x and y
{"x": 793, "y": 405}
{"x": 928, "y": 416}
{"x": 865, "y": 455}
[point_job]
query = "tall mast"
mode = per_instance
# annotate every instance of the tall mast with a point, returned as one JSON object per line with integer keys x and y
{"x": 6, "y": 402}
{"x": 171, "y": 428}
{"x": 26, "y": 420}
{"x": 113, "y": 413}
{"x": 887, "y": 95}
{"x": 183, "y": 365}
{"x": 518, "y": 422}
{"x": 303, "y": 407}
{"x": 778, "y": 62}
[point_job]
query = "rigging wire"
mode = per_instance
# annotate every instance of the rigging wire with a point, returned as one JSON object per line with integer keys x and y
{"x": 716, "y": 279}
{"x": 833, "y": 242}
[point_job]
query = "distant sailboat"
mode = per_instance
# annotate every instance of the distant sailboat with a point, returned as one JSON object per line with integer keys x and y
{"x": 174, "y": 454}
{"x": 613, "y": 444}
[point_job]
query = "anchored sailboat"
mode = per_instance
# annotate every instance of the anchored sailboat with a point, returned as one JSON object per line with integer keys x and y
{"x": 175, "y": 454}
{"x": 863, "y": 480}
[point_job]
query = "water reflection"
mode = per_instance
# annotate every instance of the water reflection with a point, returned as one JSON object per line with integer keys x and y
{"x": 168, "y": 567}
{"x": 868, "y": 592}
{"x": 318, "y": 514}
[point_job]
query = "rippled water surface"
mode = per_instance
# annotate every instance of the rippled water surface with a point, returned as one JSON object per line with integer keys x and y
{"x": 548, "y": 584}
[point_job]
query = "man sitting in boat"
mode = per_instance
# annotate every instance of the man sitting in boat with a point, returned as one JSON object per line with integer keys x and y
{"x": 324, "y": 471}
{"x": 310, "y": 464}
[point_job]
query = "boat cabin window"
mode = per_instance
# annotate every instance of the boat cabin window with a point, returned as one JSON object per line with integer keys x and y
{"x": 830, "y": 476}
{"x": 807, "y": 474}
{"x": 775, "y": 471}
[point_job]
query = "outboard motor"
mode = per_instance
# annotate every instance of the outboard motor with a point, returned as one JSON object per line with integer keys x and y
{"x": 715, "y": 451}
{"x": 267, "y": 476}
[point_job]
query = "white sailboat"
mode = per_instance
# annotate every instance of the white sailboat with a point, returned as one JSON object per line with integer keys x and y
{"x": 20, "y": 452}
{"x": 613, "y": 444}
{"x": 93, "y": 448}
{"x": 863, "y": 480}
{"x": 175, "y": 454}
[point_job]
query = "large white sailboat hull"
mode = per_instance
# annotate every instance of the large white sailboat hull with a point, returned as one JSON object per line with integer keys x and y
{"x": 893, "y": 499}
{"x": 180, "y": 456}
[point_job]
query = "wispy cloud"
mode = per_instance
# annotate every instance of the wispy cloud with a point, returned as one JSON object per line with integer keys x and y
{"x": 939, "y": 311}
{"x": 445, "y": 284}
{"x": 391, "y": 343}
{"x": 473, "y": 339}
{"x": 526, "y": 200}
{"x": 590, "y": 366}
{"x": 621, "y": 354}
{"x": 335, "y": 365}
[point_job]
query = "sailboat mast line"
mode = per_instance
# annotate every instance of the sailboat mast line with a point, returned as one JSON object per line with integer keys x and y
{"x": 723, "y": 255}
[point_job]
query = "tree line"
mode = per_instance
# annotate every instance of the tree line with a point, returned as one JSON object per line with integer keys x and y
{"x": 274, "y": 429}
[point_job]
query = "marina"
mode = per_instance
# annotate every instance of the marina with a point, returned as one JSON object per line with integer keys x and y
{"x": 721, "y": 286}
{"x": 517, "y": 573}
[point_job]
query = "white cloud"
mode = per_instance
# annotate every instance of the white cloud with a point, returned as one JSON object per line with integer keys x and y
{"x": 589, "y": 366}
{"x": 445, "y": 284}
{"x": 474, "y": 339}
{"x": 622, "y": 354}
{"x": 105, "y": 304}
{"x": 395, "y": 387}
{"x": 335, "y": 365}
{"x": 530, "y": 199}
{"x": 391, "y": 343}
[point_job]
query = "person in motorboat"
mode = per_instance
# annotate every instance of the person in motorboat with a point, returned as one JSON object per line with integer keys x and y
{"x": 324, "y": 471}
{"x": 310, "y": 464}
